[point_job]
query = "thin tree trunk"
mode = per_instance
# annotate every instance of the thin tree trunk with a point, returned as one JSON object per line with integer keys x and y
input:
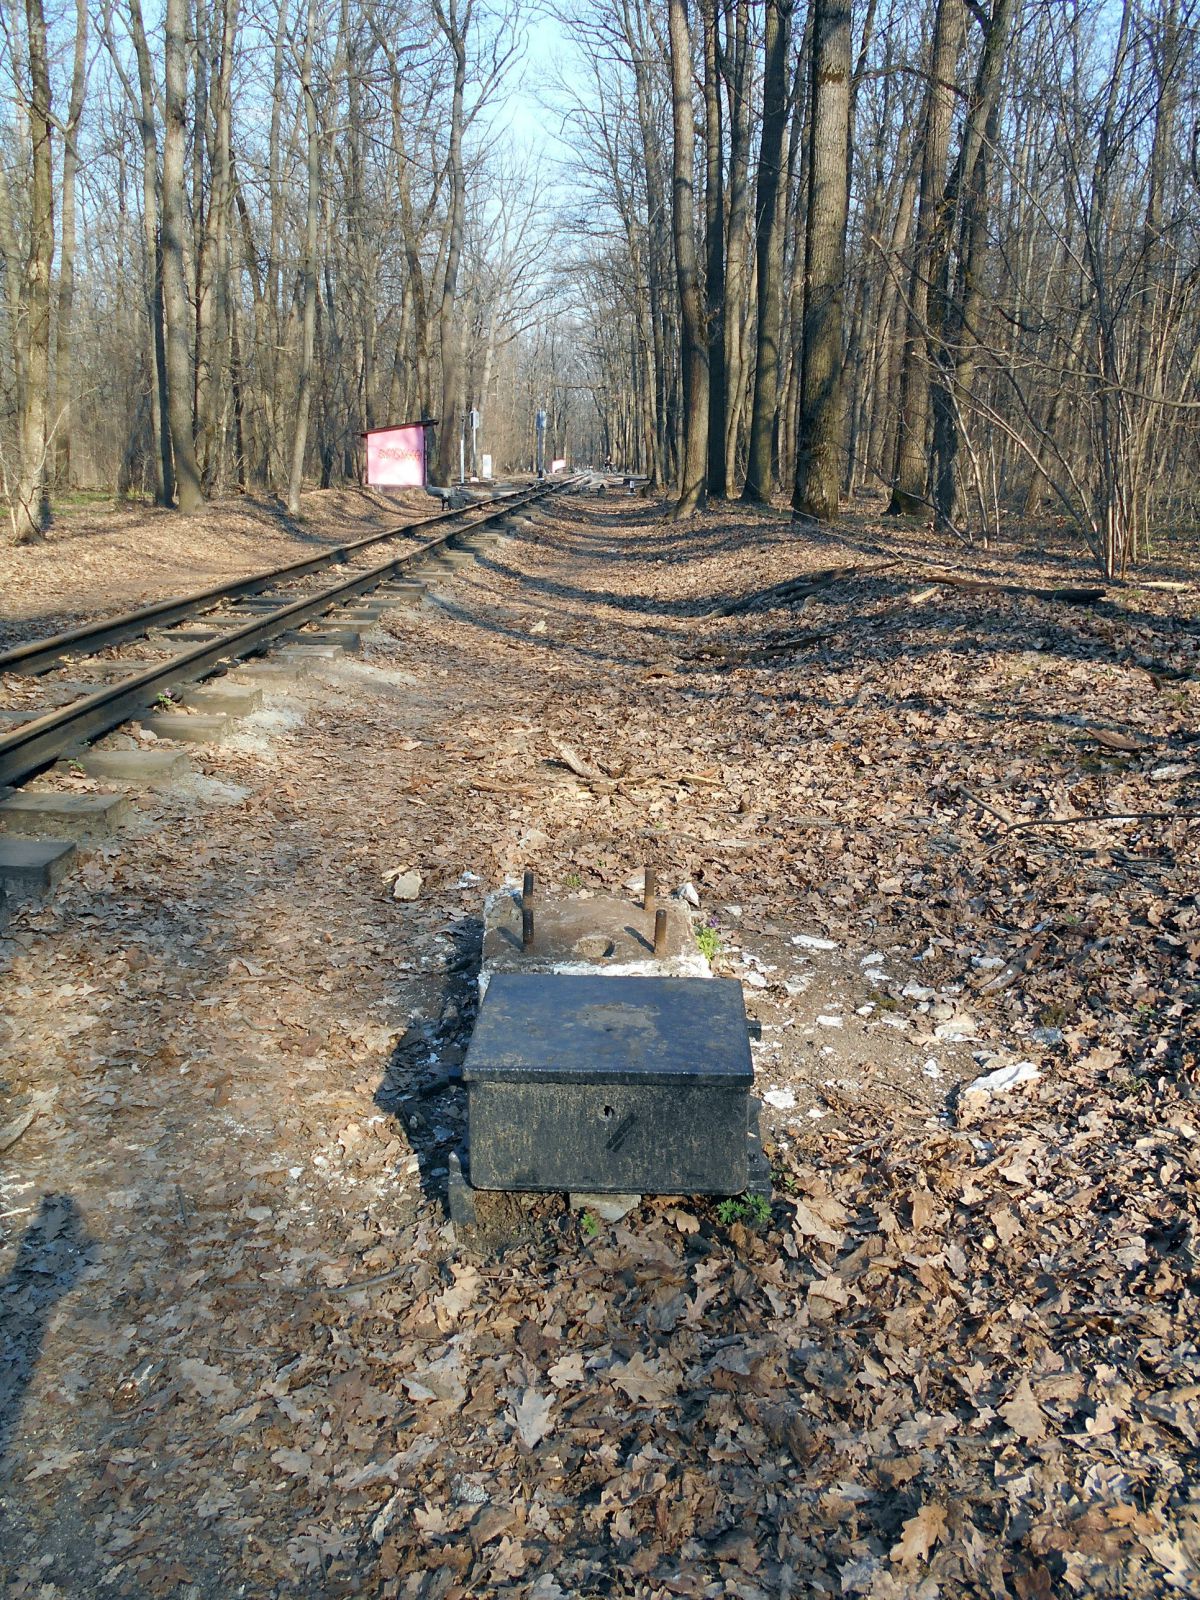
{"x": 64, "y": 365}
{"x": 737, "y": 291}
{"x": 30, "y": 509}
{"x": 819, "y": 437}
{"x": 308, "y": 332}
{"x": 175, "y": 298}
{"x": 958, "y": 316}
{"x": 912, "y": 461}
{"x": 714, "y": 251}
{"x": 449, "y": 332}
{"x": 164, "y": 467}
{"x": 694, "y": 354}
{"x": 212, "y": 287}
{"x": 760, "y": 475}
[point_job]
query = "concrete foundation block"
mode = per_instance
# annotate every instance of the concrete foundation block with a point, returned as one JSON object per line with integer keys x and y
{"x": 200, "y": 729}
{"x": 222, "y": 698}
{"x": 345, "y": 639}
{"x": 34, "y": 866}
{"x": 171, "y": 639}
{"x": 64, "y": 693}
{"x": 357, "y": 616}
{"x": 78, "y": 817}
{"x": 306, "y": 655}
{"x": 138, "y": 768}
{"x": 262, "y": 603}
{"x": 597, "y": 934}
{"x": 271, "y": 673}
{"x": 109, "y": 671}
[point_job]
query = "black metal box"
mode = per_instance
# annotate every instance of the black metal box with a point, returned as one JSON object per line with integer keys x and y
{"x": 609, "y": 1085}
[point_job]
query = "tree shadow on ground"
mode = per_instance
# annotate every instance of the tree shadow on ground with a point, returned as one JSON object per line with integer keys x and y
{"x": 970, "y": 623}
{"x": 908, "y": 538}
{"x": 51, "y": 1258}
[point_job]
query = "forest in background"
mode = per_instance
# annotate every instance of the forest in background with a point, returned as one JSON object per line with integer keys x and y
{"x": 234, "y": 237}
{"x": 950, "y": 253}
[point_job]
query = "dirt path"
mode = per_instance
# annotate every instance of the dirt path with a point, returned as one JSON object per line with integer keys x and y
{"x": 959, "y": 1360}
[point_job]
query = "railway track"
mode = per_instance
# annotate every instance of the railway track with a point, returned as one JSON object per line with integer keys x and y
{"x": 187, "y": 640}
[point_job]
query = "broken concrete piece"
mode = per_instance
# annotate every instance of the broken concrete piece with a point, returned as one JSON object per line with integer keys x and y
{"x": 608, "y": 1207}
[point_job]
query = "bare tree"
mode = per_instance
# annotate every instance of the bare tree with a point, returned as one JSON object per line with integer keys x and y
{"x": 455, "y": 25}
{"x": 30, "y": 504}
{"x": 694, "y": 464}
{"x": 911, "y": 485}
{"x": 177, "y": 314}
{"x": 768, "y": 236}
{"x": 64, "y": 374}
{"x": 819, "y": 440}
{"x": 308, "y": 272}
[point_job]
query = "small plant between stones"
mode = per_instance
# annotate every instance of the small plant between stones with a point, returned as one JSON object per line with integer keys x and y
{"x": 752, "y": 1209}
{"x": 588, "y": 1225}
{"x": 708, "y": 942}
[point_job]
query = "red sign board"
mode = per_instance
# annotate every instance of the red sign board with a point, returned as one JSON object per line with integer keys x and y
{"x": 396, "y": 456}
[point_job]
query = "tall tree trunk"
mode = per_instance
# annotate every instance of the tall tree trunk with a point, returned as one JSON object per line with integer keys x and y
{"x": 212, "y": 284}
{"x": 694, "y": 353}
{"x": 768, "y": 241}
{"x": 64, "y": 366}
{"x": 819, "y": 439}
{"x": 958, "y": 316}
{"x": 30, "y": 509}
{"x": 909, "y": 492}
{"x": 308, "y": 329}
{"x": 714, "y": 253}
{"x": 794, "y": 186}
{"x": 737, "y": 290}
{"x": 164, "y": 466}
{"x": 175, "y": 297}
{"x": 455, "y": 28}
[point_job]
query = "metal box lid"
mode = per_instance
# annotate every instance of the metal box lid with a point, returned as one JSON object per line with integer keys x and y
{"x": 561, "y": 1028}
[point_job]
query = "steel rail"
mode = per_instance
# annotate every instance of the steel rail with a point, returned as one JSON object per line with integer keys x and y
{"x": 35, "y": 744}
{"x": 43, "y": 655}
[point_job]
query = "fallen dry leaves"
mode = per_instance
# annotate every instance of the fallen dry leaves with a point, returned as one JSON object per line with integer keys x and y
{"x": 246, "y": 1352}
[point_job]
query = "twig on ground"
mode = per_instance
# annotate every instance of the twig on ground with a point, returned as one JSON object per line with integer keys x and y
{"x": 1103, "y": 816}
{"x": 366, "y": 1283}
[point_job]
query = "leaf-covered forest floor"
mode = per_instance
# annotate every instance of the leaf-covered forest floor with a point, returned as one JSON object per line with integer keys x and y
{"x": 245, "y": 1352}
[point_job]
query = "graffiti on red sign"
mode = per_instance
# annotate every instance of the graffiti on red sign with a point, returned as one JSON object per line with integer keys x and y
{"x": 396, "y": 457}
